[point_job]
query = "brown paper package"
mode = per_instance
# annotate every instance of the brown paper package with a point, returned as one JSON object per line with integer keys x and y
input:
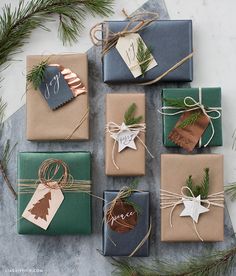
{"x": 175, "y": 169}
{"x": 44, "y": 124}
{"x": 130, "y": 162}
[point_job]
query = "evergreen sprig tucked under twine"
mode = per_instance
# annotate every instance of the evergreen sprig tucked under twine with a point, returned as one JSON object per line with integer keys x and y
{"x": 37, "y": 74}
{"x": 16, "y": 24}
{"x": 129, "y": 117}
{"x": 143, "y": 56}
{"x": 179, "y": 103}
{"x": 216, "y": 263}
{"x": 202, "y": 189}
{"x": 5, "y": 153}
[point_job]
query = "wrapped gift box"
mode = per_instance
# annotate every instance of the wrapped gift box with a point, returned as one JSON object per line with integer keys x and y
{"x": 74, "y": 214}
{"x": 123, "y": 244}
{"x": 130, "y": 162}
{"x": 175, "y": 169}
{"x": 211, "y": 97}
{"x": 45, "y": 124}
{"x": 170, "y": 42}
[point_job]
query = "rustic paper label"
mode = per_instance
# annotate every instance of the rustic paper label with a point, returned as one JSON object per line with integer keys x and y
{"x": 188, "y": 137}
{"x": 54, "y": 88}
{"x": 125, "y": 138}
{"x": 127, "y": 47}
{"x": 43, "y": 206}
{"x": 123, "y": 217}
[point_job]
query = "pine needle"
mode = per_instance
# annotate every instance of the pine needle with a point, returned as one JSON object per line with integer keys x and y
{"x": 202, "y": 189}
{"x": 231, "y": 190}
{"x": 190, "y": 120}
{"x": 37, "y": 74}
{"x": 129, "y": 118}
{"x": 211, "y": 264}
{"x": 178, "y": 103}
{"x": 143, "y": 56}
{"x": 17, "y": 24}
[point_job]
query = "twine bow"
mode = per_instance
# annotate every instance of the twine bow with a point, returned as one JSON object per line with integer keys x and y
{"x": 172, "y": 200}
{"x": 191, "y": 105}
{"x": 110, "y": 38}
{"x": 113, "y": 128}
{"x": 109, "y": 207}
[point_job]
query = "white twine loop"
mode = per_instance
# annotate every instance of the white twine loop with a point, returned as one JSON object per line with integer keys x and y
{"x": 113, "y": 128}
{"x": 195, "y": 106}
{"x": 172, "y": 200}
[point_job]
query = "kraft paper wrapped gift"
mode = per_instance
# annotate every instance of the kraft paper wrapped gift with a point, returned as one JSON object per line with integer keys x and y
{"x": 211, "y": 97}
{"x": 170, "y": 42}
{"x": 175, "y": 169}
{"x": 130, "y": 162}
{"x": 69, "y": 122}
{"x": 74, "y": 214}
{"x": 117, "y": 243}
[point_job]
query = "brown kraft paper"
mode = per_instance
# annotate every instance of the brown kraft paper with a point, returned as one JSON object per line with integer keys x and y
{"x": 189, "y": 136}
{"x": 44, "y": 124}
{"x": 175, "y": 169}
{"x": 130, "y": 162}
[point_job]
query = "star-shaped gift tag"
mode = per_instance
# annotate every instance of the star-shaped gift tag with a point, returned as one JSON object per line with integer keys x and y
{"x": 193, "y": 208}
{"x": 125, "y": 138}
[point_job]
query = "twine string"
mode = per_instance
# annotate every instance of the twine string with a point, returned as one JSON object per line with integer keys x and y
{"x": 113, "y": 128}
{"x": 191, "y": 104}
{"x": 172, "y": 200}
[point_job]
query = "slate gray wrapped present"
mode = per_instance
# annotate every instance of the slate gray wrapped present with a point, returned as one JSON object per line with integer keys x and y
{"x": 170, "y": 42}
{"x": 122, "y": 236}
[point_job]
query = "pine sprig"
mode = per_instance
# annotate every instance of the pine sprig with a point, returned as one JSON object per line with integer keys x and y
{"x": 16, "y": 24}
{"x": 37, "y": 74}
{"x": 129, "y": 117}
{"x": 143, "y": 56}
{"x": 202, "y": 189}
{"x": 5, "y": 153}
{"x": 212, "y": 264}
{"x": 190, "y": 120}
{"x": 178, "y": 103}
{"x": 231, "y": 190}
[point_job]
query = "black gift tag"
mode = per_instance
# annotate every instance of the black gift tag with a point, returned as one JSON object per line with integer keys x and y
{"x": 54, "y": 88}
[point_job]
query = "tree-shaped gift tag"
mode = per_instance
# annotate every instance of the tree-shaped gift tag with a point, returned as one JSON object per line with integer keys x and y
{"x": 43, "y": 206}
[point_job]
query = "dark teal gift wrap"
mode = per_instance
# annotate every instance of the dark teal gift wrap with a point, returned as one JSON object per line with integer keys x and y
{"x": 74, "y": 214}
{"x": 209, "y": 97}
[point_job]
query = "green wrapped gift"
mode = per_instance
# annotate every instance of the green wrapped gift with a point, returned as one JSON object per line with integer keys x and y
{"x": 208, "y": 98}
{"x": 70, "y": 174}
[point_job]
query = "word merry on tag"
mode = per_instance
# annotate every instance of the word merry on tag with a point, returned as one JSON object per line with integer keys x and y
{"x": 127, "y": 47}
{"x": 54, "y": 88}
{"x": 187, "y": 137}
{"x": 125, "y": 138}
{"x": 123, "y": 217}
{"x": 43, "y": 206}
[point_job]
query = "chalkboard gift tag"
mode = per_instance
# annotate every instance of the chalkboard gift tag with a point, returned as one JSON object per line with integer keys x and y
{"x": 54, "y": 88}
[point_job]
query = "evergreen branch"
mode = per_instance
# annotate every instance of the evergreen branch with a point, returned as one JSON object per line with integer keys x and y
{"x": 213, "y": 264}
{"x": 178, "y": 103}
{"x": 37, "y": 74}
{"x": 144, "y": 56}
{"x": 16, "y": 24}
{"x": 129, "y": 118}
{"x": 190, "y": 120}
{"x": 231, "y": 190}
{"x": 5, "y": 153}
{"x": 202, "y": 189}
